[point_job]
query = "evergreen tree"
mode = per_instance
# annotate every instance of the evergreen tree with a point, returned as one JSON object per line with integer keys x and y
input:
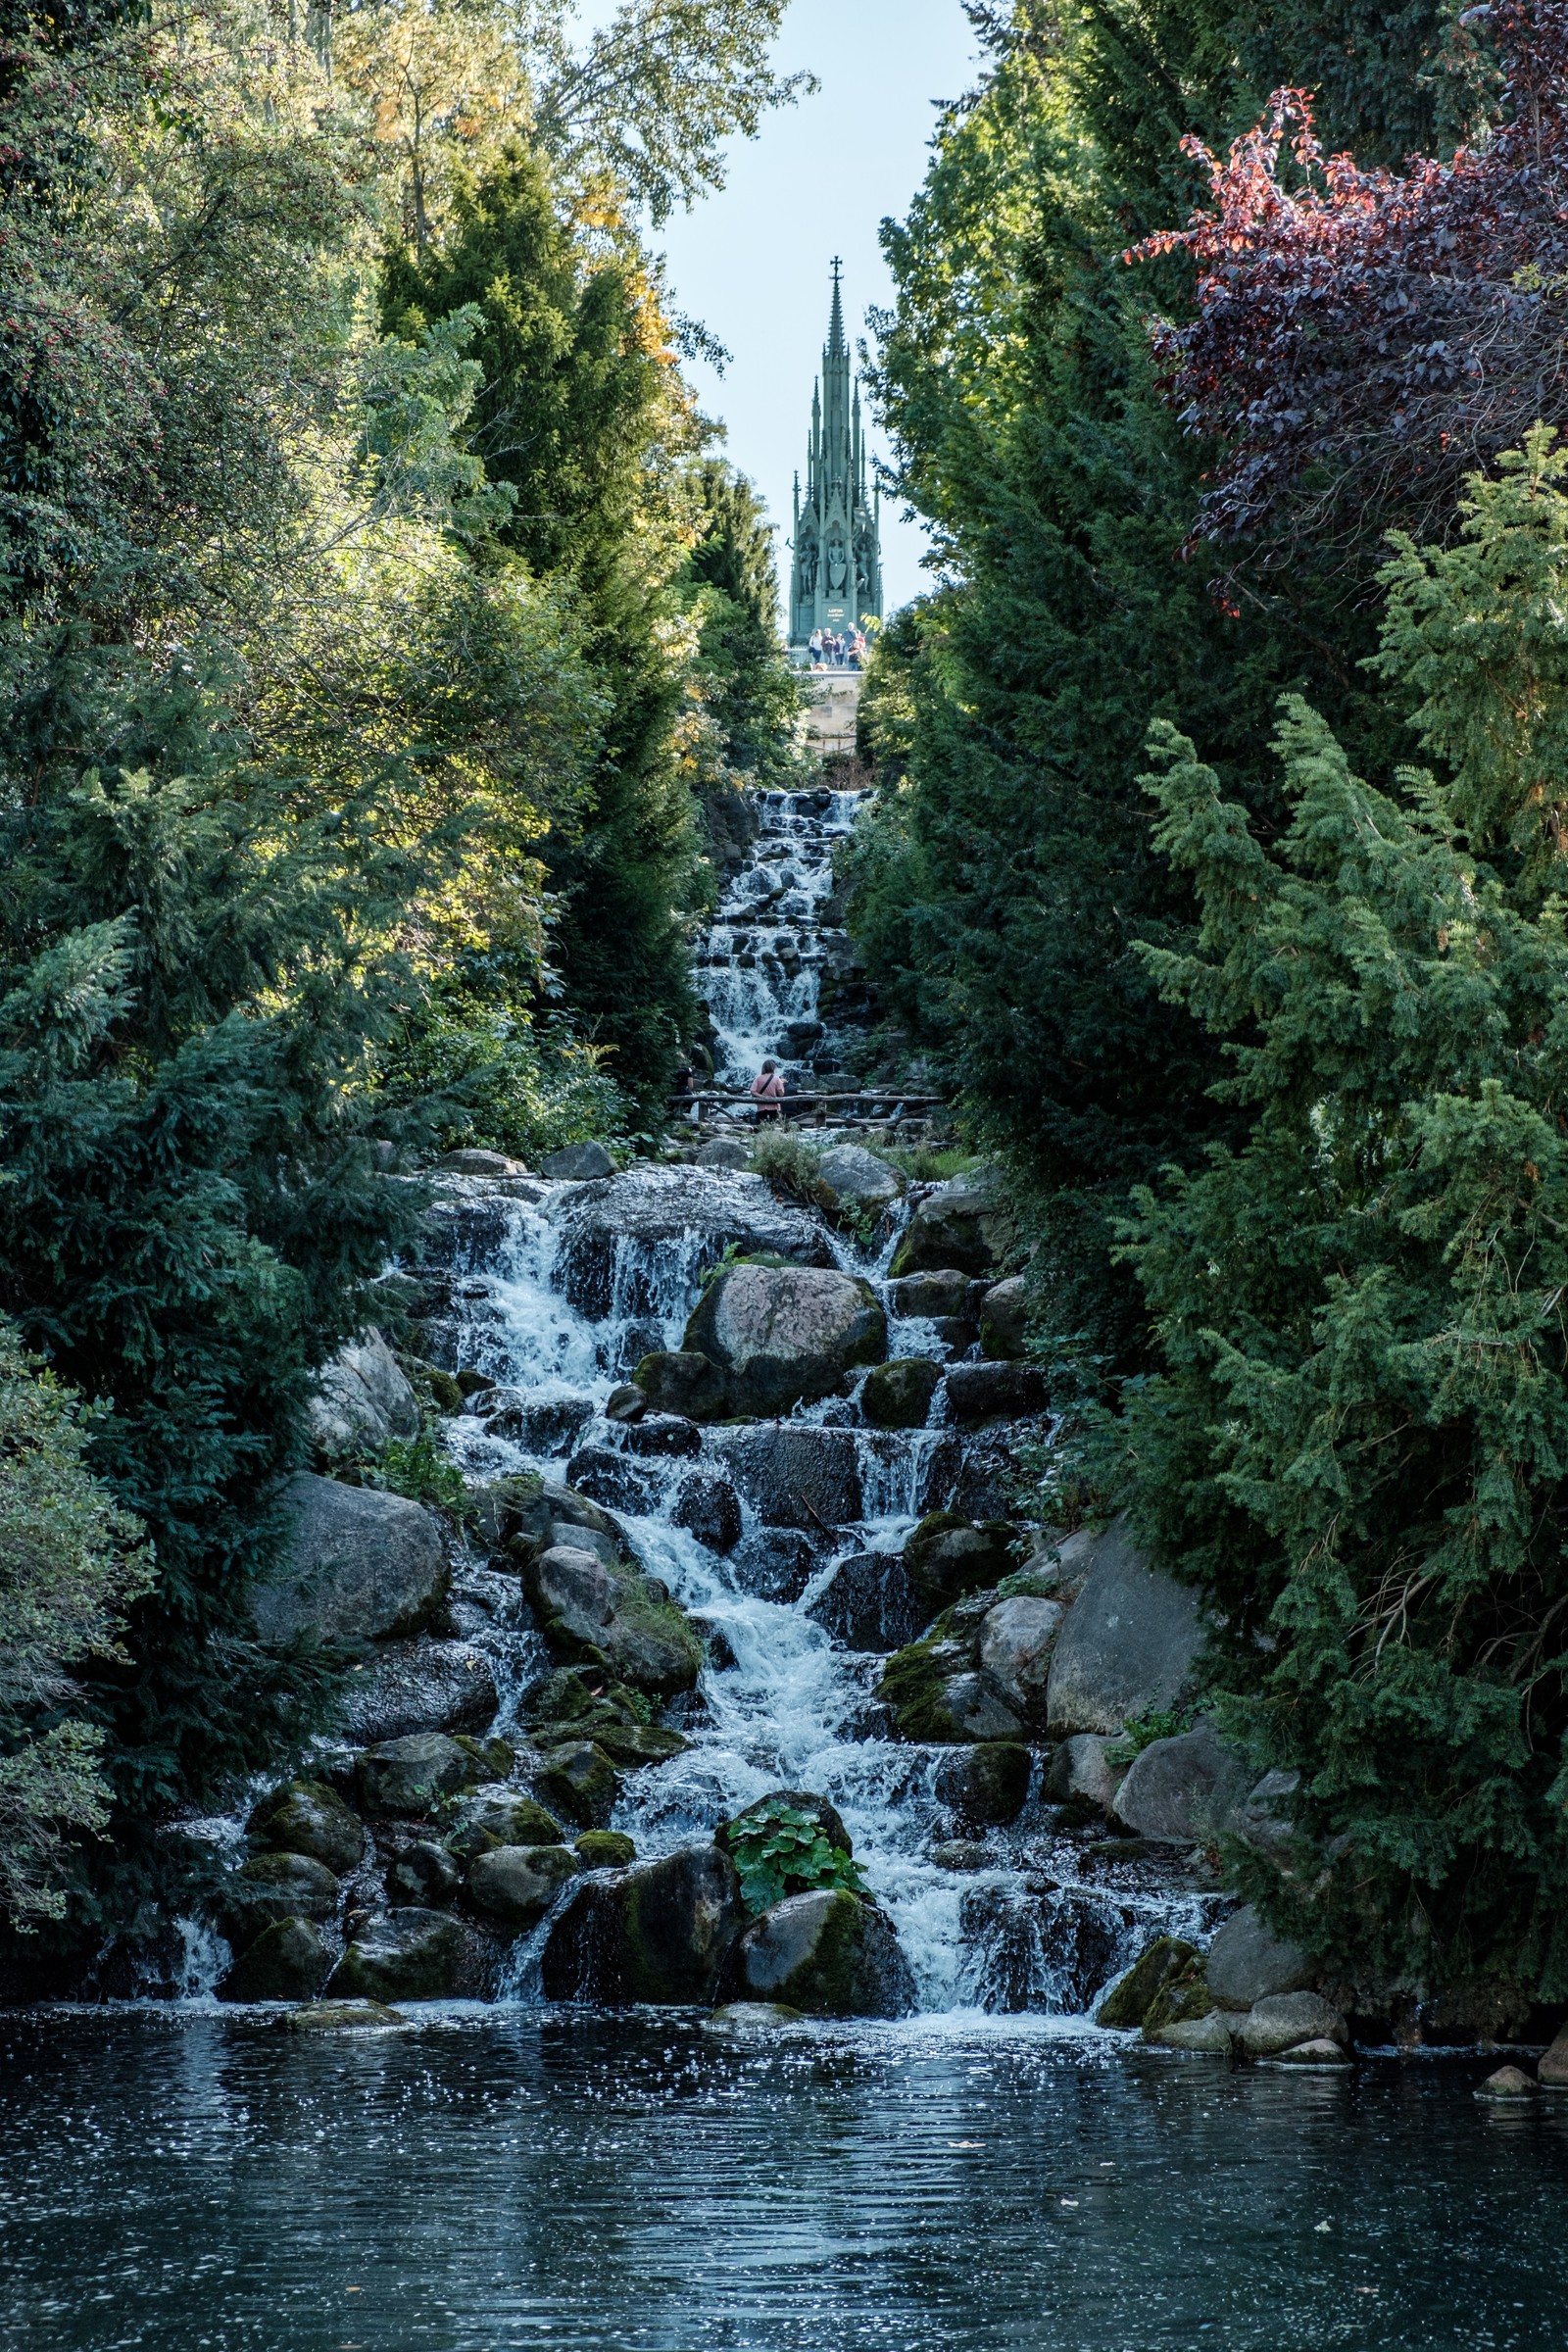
{"x": 583, "y": 416}
{"x": 68, "y": 1563}
{"x": 1008, "y": 874}
{"x": 1359, "y": 1441}
{"x": 750, "y": 699}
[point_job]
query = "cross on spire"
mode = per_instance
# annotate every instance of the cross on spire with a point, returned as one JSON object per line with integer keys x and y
{"x": 837, "y": 268}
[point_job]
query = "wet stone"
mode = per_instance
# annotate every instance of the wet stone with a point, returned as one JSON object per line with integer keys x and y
{"x": 286, "y": 1963}
{"x": 409, "y": 1776}
{"x": 306, "y": 1817}
{"x": 607, "y": 1477}
{"x": 517, "y": 1884}
{"x": 424, "y": 1875}
{"x": 708, "y": 1506}
{"x": 661, "y": 1434}
{"x": 408, "y": 1954}
{"x": 580, "y": 1782}
{"x": 870, "y": 1603}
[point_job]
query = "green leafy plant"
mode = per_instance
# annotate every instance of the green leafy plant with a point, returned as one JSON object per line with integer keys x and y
{"x": 782, "y": 1850}
{"x": 790, "y": 1165}
{"x": 418, "y": 1468}
{"x": 1167, "y": 1722}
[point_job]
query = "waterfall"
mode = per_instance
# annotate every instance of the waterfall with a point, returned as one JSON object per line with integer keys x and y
{"x": 782, "y": 1703}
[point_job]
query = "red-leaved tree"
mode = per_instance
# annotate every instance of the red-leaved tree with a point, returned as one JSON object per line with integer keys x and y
{"x": 1364, "y": 339}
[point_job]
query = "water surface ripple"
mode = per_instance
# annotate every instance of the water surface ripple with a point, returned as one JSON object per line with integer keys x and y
{"x": 558, "y": 2179}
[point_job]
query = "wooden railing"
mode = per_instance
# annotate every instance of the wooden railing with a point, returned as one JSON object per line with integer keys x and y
{"x": 865, "y": 1102}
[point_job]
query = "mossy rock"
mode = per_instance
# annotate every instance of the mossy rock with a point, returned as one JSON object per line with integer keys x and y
{"x": 1180, "y": 2000}
{"x": 493, "y": 1817}
{"x": 1131, "y": 1997}
{"x": 684, "y": 1381}
{"x": 947, "y": 1556}
{"x": 271, "y": 1888}
{"x": 341, "y": 2017}
{"x": 491, "y": 1759}
{"x": 898, "y": 1395}
{"x": 987, "y": 1785}
{"x": 580, "y": 1782}
{"x": 287, "y": 1962}
{"x": 826, "y": 1953}
{"x": 444, "y": 1393}
{"x": 306, "y": 1817}
{"x": 605, "y": 1850}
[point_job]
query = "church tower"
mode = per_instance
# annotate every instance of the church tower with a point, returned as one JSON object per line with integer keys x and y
{"x": 836, "y": 576}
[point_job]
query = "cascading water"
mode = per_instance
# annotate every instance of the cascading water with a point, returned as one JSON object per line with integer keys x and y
{"x": 782, "y": 1703}
{"x": 764, "y": 962}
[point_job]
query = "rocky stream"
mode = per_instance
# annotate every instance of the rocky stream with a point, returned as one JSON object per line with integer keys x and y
{"x": 735, "y": 1788}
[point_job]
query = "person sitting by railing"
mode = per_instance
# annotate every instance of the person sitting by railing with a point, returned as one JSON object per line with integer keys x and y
{"x": 767, "y": 1091}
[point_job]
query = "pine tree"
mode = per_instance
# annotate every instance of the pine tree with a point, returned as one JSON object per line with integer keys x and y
{"x": 750, "y": 699}
{"x": 1359, "y": 1441}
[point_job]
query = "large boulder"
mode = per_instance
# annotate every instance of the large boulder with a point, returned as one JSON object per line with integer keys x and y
{"x": 544, "y": 1426}
{"x": 406, "y": 1955}
{"x": 826, "y": 1954}
{"x": 854, "y": 1178}
{"x": 898, "y": 1395}
{"x": 1015, "y": 1641}
{"x": 613, "y": 1616}
{"x": 271, "y": 1888}
{"x": 1134, "y": 1995}
{"x": 361, "y": 1400}
{"x": 1005, "y": 1319}
{"x": 782, "y": 1334}
{"x": 937, "y": 1693}
{"x": 1084, "y": 1772}
{"x": 577, "y": 1164}
{"x": 1182, "y": 1790}
{"x": 425, "y": 1686}
{"x": 986, "y": 1785}
{"x": 360, "y": 1565}
{"x": 501, "y": 1816}
{"x": 1247, "y": 1962}
{"x": 579, "y": 1782}
{"x": 306, "y": 1817}
{"x": 935, "y": 1295}
{"x": 607, "y": 1475}
{"x": 708, "y": 1506}
{"x": 997, "y": 1392}
{"x": 1281, "y": 2021}
{"x": 947, "y": 1556}
{"x": 682, "y": 1380}
{"x": 517, "y": 1884}
{"x": 286, "y": 1962}
{"x": 1129, "y": 1644}
{"x": 962, "y": 1224}
{"x": 422, "y": 1875}
{"x": 724, "y": 1151}
{"x": 410, "y": 1775}
{"x": 657, "y": 1932}
{"x": 700, "y": 1211}
{"x": 793, "y": 1474}
{"x": 1553, "y": 2071}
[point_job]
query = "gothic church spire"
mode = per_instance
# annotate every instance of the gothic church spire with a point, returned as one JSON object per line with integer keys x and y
{"x": 836, "y": 574}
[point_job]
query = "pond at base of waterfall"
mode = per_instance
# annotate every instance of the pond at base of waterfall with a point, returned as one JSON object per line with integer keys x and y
{"x": 180, "y": 2181}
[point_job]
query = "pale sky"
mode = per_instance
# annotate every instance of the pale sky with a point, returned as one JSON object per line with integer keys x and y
{"x": 752, "y": 263}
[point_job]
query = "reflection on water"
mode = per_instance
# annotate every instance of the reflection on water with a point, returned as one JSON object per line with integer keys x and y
{"x": 502, "y": 2178}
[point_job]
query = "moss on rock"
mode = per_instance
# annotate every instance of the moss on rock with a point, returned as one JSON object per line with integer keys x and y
{"x": 1131, "y": 1997}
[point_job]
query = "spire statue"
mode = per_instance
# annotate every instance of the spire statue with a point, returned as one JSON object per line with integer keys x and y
{"x": 836, "y": 576}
